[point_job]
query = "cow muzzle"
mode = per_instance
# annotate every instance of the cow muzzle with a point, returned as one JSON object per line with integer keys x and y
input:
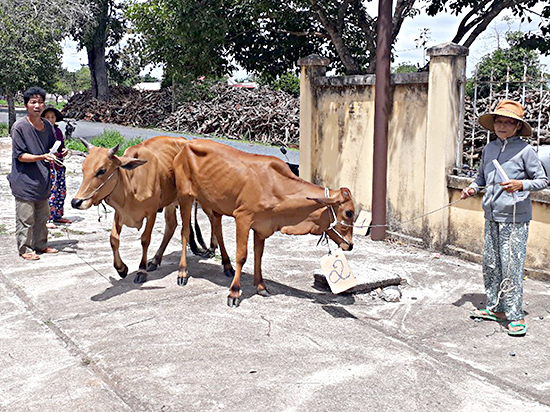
{"x": 346, "y": 246}
{"x": 81, "y": 203}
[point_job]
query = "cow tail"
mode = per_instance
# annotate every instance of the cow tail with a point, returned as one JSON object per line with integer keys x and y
{"x": 198, "y": 230}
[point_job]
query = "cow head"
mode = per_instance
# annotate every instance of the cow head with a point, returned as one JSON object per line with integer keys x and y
{"x": 100, "y": 173}
{"x": 335, "y": 219}
{"x": 340, "y": 214}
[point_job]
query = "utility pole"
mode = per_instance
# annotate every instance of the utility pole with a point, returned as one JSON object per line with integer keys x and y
{"x": 381, "y": 117}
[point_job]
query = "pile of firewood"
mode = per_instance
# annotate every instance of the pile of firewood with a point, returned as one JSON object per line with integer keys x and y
{"x": 259, "y": 115}
{"x": 126, "y": 106}
{"x": 475, "y": 137}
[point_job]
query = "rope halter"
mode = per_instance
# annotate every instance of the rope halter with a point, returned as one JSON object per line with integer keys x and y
{"x": 333, "y": 220}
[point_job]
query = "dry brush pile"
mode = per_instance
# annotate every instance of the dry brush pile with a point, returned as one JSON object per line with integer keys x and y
{"x": 475, "y": 137}
{"x": 127, "y": 106}
{"x": 260, "y": 115}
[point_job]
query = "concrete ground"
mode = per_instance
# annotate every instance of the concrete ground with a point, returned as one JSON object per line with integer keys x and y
{"x": 76, "y": 337}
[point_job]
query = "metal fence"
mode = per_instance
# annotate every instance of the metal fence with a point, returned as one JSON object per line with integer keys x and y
{"x": 533, "y": 94}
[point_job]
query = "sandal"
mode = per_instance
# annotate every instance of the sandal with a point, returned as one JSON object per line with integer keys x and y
{"x": 48, "y": 250}
{"x": 29, "y": 256}
{"x": 63, "y": 220}
{"x": 485, "y": 314}
{"x": 519, "y": 332}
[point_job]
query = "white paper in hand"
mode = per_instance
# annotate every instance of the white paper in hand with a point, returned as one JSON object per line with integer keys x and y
{"x": 55, "y": 147}
{"x": 501, "y": 173}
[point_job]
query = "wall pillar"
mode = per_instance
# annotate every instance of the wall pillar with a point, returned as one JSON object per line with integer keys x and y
{"x": 312, "y": 66}
{"x": 443, "y": 137}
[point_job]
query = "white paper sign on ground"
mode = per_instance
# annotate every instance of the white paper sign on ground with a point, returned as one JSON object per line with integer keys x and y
{"x": 336, "y": 269}
{"x": 362, "y": 223}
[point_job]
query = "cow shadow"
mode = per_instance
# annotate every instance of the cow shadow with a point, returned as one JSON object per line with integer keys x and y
{"x": 212, "y": 271}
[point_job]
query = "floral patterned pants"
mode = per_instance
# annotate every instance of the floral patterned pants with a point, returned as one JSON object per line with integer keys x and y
{"x": 503, "y": 260}
{"x": 58, "y": 193}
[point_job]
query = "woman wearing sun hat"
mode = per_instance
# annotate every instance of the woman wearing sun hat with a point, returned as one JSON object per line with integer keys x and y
{"x": 57, "y": 172}
{"x": 507, "y": 208}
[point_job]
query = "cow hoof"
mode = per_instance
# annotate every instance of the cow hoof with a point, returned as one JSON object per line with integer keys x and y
{"x": 152, "y": 266}
{"x": 141, "y": 277}
{"x": 263, "y": 292}
{"x": 122, "y": 273}
{"x": 210, "y": 253}
{"x": 182, "y": 281}
{"x": 233, "y": 302}
{"x": 229, "y": 272}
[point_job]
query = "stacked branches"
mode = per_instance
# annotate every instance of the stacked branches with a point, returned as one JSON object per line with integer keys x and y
{"x": 537, "y": 113}
{"x": 127, "y": 106}
{"x": 259, "y": 115}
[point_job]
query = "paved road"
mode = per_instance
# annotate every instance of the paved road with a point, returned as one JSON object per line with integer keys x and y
{"x": 88, "y": 130}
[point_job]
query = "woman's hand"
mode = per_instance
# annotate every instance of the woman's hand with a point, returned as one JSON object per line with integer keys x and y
{"x": 467, "y": 192}
{"x": 512, "y": 186}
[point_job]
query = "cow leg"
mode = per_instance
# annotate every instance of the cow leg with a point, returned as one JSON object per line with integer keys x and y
{"x": 141, "y": 276}
{"x": 258, "y": 253}
{"x": 119, "y": 265}
{"x": 169, "y": 228}
{"x": 186, "y": 205}
{"x": 243, "y": 225}
{"x": 216, "y": 221}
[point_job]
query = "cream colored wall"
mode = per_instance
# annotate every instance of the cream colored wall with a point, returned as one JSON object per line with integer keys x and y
{"x": 344, "y": 147}
{"x": 336, "y": 149}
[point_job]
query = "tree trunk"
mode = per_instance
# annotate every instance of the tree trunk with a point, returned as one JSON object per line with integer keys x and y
{"x": 11, "y": 109}
{"x": 98, "y": 71}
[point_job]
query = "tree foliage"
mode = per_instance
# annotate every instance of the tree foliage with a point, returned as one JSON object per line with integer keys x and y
{"x": 30, "y": 54}
{"x": 267, "y": 36}
{"x": 514, "y": 64}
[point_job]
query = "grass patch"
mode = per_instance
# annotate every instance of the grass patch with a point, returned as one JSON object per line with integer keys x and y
{"x": 3, "y": 230}
{"x": 108, "y": 139}
{"x": 4, "y": 130}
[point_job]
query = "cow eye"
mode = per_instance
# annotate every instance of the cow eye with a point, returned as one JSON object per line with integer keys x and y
{"x": 100, "y": 172}
{"x": 349, "y": 214}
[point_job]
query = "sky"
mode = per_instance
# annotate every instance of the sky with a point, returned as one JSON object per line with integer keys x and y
{"x": 441, "y": 29}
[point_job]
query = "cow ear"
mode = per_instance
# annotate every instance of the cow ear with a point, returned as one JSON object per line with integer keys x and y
{"x": 346, "y": 193}
{"x": 130, "y": 163}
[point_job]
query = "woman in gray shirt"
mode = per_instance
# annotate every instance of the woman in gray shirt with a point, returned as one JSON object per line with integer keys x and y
{"x": 507, "y": 208}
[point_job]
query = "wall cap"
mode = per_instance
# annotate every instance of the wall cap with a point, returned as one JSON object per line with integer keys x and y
{"x": 447, "y": 49}
{"x": 313, "y": 60}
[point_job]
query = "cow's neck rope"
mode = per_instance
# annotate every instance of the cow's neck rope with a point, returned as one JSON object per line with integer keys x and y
{"x": 101, "y": 185}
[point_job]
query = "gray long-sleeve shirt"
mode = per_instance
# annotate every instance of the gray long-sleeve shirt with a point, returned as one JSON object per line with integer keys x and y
{"x": 520, "y": 162}
{"x": 30, "y": 180}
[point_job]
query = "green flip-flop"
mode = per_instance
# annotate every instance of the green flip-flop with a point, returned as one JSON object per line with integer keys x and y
{"x": 519, "y": 332}
{"x": 485, "y": 314}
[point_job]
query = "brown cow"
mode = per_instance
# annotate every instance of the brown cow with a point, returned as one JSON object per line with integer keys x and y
{"x": 136, "y": 185}
{"x": 262, "y": 194}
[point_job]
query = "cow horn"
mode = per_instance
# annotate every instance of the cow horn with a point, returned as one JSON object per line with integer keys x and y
{"x": 87, "y": 144}
{"x": 113, "y": 150}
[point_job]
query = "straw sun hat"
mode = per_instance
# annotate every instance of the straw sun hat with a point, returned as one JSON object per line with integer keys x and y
{"x": 57, "y": 113}
{"x": 507, "y": 108}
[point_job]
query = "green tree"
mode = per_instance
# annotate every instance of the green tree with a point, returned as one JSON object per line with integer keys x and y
{"x": 105, "y": 29}
{"x": 267, "y": 36}
{"x": 185, "y": 36}
{"x": 30, "y": 54}
{"x": 404, "y": 68}
{"x": 506, "y": 63}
